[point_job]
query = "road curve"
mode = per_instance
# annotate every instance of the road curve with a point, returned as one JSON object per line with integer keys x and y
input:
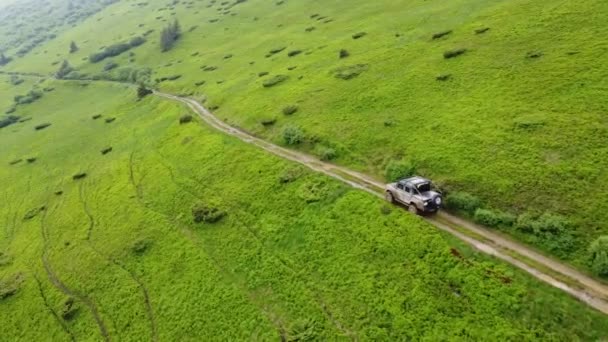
{"x": 579, "y": 285}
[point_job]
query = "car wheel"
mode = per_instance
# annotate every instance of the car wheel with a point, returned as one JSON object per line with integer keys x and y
{"x": 412, "y": 209}
{"x": 389, "y": 197}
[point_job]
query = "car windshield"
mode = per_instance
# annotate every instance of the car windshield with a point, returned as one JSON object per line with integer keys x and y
{"x": 424, "y": 187}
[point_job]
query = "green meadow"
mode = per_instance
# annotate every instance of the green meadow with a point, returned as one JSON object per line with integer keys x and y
{"x": 98, "y": 246}
{"x": 517, "y": 120}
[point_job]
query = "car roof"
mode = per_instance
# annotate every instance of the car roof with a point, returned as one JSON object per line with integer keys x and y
{"x": 416, "y": 180}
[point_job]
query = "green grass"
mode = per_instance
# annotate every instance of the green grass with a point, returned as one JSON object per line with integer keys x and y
{"x": 310, "y": 257}
{"x": 523, "y": 134}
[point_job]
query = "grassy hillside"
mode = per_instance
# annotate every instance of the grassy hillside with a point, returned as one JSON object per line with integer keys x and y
{"x": 518, "y": 120}
{"x": 117, "y": 251}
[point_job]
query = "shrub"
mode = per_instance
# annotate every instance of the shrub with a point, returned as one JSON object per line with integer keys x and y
{"x": 73, "y": 47}
{"x": 277, "y": 50}
{"x": 205, "y": 213}
{"x": 263, "y": 73}
{"x": 441, "y": 34}
{"x": 482, "y": 30}
{"x": 10, "y": 110}
{"x": 110, "y": 120}
{"x": 142, "y": 91}
{"x": 42, "y": 126}
{"x": 486, "y": 217}
{"x": 294, "y": 53}
{"x": 106, "y": 150}
{"x": 290, "y": 175}
{"x": 9, "y": 120}
{"x": 10, "y": 286}
{"x": 16, "y": 161}
{"x": 58, "y": 193}
{"x": 399, "y": 169}
{"x": 78, "y": 176}
{"x": 443, "y": 77}
{"x": 268, "y": 122}
{"x": 31, "y": 159}
{"x": 598, "y": 256}
{"x": 110, "y": 65}
{"x": 199, "y": 83}
{"x": 453, "y": 53}
{"x": 186, "y": 118}
{"x": 350, "y": 72}
{"x": 545, "y": 223}
{"x": 343, "y": 53}
{"x": 534, "y": 54}
{"x": 326, "y": 153}
{"x": 228, "y": 56}
{"x": 289, "y": 110}
{"x": 110, "y": 51}
{"x": 275, "y": 80}
{"x": 96, "y": 116}
{"x": 310, "y": 29}
{"x": 462, "y": 201}
{"x": 140, "y": 246}
{"x": 137, "y": 41}
{"x": 4, "y": 60}
{"x": 359, "y": 35}
{"x": 293, "y": 135}
{"x": 69, "y": 309}
{"x": 304, "y": 330}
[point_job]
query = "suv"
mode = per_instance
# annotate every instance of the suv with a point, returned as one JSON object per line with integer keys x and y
{"x": 417, "y": 193}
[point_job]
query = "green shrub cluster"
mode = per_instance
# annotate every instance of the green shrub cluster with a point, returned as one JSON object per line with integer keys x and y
{"x": 598, "y": 255}
{"x": 293, "y": 135}
{"x": 462, "y": 201}
{"x": 115, "y": 49}
{"x": 399, "y": 169}
{"x": 206, "y": 213}
{"x": 30, "y": 97}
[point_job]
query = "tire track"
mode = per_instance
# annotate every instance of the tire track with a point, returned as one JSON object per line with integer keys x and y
{"x": 61, "y": 286}
{"x": 60, "y": 321}
{"x": 132, "y": 275}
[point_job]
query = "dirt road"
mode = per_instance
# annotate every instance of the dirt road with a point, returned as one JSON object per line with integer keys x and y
{"x": 548, "y": 270}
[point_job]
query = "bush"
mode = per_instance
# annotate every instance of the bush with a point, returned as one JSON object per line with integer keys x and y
{"x": 9, "y": 120}
{"x": 462, "y": 201}
{"x": 598, "y": 256}
{"x": 487, "y": 217}
{"x": 453, "y": 53}
{"x": 78, "y": 176}
{"x": 31, "y": 159}
{"x": 137, "y": 41}
{"x": 275, "y": 80}
{"x": 186, "y": 118}
{"x": 482, "y": 30}
{"x": 10, "y": 286}
{"x": 399, "y": 169}
{"x": 277, "y": 50}
{"x": 268, "y": 122}
{"x": 96, "y": 116}
{"x": 290, "y": 175}
{"x": 443, "y": 77}
{"x": 545, "y": 223}
{"x": 140, "y": 246}
{"x": 69, "y": 309}
{"x": 343, "y": 53}
{"x": 263, "y": 73}
{"x": 441, "y": 34}
{"x": 326, "y": 153}
{"x": 293, "y": 135}
{"x": 142, "y": 91}
{"x": 106, "y": 150}
{"x": 294, "y": 53}
{"x": 110, "y": 51}
{"x": 359, "y": 35}
{"x": 110, "y": 120}
{"x": 42, "y": 126}
{"x": 350, "y": 72}
{"x": 110, "y": 65}
{"x": 205, "y": 213}
{"x": 289, "y": 110}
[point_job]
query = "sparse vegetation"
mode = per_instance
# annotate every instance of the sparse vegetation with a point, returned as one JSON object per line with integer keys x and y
{"x": 441, "y": 34}
{"x": 350, "y": 72}
{"x": 186, "y": 118}
{"x": 275, "y": 80}
{"x": 289, "y": 110}
{"x": 206, "y": 213}
{"x": 453, "y": 53}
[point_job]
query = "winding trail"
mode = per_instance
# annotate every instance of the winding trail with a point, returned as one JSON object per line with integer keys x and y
{"x": 579, "y": 285}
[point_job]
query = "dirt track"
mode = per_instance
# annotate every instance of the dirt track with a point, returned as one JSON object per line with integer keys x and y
{"x": 579, "y": 285}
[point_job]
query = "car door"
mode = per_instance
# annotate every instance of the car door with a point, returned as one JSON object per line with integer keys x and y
{"x": 406, "y": 194}
{"x": 401, "y": 193}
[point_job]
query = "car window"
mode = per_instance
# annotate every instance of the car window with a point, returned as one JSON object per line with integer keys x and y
{"x": 408, "y": 189}
{"x": 400, "y": 186}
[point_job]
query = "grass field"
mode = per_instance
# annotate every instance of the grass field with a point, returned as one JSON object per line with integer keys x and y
{"x": 518, "y": 121}
{"x": 296, "y": 255}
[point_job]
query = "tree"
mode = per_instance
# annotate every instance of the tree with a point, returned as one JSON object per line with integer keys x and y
{"x": 598, "y": 253}
{"x": 142, "y": 91}
{"x": 4, "y": 60}
{"x": 73, "y": 47}
{"x": 64, "y": 70}
{"x": 169, "y": 35}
